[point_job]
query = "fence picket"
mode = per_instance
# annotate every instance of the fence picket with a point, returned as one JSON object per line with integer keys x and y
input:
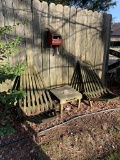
{"x": 37, "y": 33}
{"x": 59, "y": 58}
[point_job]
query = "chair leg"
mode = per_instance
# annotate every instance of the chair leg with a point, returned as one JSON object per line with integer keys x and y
{"x": 90, "y": 103}
{"x": 107, "y": 103}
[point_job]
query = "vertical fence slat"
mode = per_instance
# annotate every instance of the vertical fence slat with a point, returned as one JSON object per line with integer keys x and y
{"x": 93, "y": 35}
{"x": 8, "y": 12}
{"x": 66, "y": 44}
{"x": 1, "y": 25}
{"x": 89, "y": 36}
{"x": 59, "y": 58}
{"x": 99, "y": 44}
{"x": 19, "y": 17}
{"x": 83, "y": 34}
{"x": 45, "y": 50}
{"x": 37, "y": 33}
{"x": 106, "y": 37}
{"x": 78, "y": 33}
{"x": 53, "y": 56}
{"x": 29, "y": 33}
{"x": 1, "y": 16}
{"x": 72, "y": 37}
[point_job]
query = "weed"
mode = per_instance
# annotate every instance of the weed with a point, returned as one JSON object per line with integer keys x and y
{"x": 7, "y": 72}
{"x": 114, "y": 156}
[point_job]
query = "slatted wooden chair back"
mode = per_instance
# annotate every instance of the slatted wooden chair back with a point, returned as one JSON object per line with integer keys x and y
{"x": 76, "y": 80}
{"x": 93, "y": 88}
{"x": 37, "y": 99}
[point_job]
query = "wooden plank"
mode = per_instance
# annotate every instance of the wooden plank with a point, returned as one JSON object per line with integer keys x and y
{"x": 29, "y": 33}
{"x": 43, "y": 91}
{"x": 35, "y": 89}
{"x": 27, "y": 85}
{"x": 39, "y": 82}
{"x": 39, "y": 88}
{"x": 19, "y": 16}
{"x": 37, "y": 31}
{"x": 21, "y": 85}
{"x": 1, "y": 15}
{"x": 32, "y": 95}
{"x": 7, "y": 9}
{"x": 89, "y": 37}
{"x": 14, "y": 59}
{"x": 72, "y": 39}
{"x": 66, "y": 11}
{"x": 45, "y": 50}
{"x": 84, "y": 35}
{"x": 78, "y": 33}
{"x": 99, "y": 44}
{"x": 94, "y": 36}
{"x": 59, "y": 58}
{"x": 53, "y": 54}
{"x": 23, "y": 103}
{"x": 107, "y": 31}
{"x": 1, "y": 25}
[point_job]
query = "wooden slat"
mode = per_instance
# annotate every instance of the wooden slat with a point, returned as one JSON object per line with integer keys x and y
{"x": 21, "y": 85}
{"x": 19, "y": 17}
{"x": 94, "y": 37}
{"x": 45, "y": 50}
{"x": 29, "y": 32}
{"x": 107, "y": 30}
{"x": 88, "y": 46}
{"x": 40, "y": 90}
{"x": 78, "y": 32}
{"x": 37, "y": 33}
{"x": 66, "y": 20}
{"x": 35, "y": 91}
{"x": 59, "y": 26}
{"x": 27, "y": 85}
{"x": 32, "y": 94}
{"x": 1, "y": 25}
{"x": 43, "y": 92}
{"x": 53, "y": 55}
{"x": 83, "y": 34}
{"x": 99, "y": 44}
{"x": 72, "y": 47}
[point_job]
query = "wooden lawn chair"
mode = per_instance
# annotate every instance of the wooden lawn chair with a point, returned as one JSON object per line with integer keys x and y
{"x": 93, "y": 88}
{"x": 37, "y": 105}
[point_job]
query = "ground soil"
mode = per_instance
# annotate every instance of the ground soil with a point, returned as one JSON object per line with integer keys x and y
{"x": 90, "y": 137}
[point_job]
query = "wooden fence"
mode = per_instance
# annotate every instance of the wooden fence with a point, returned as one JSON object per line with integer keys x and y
{"x": 85, "y": 35}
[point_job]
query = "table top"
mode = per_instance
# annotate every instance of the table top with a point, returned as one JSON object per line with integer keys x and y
{"x": 66, "y": 93}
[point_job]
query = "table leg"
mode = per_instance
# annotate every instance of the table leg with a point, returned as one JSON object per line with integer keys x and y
{"x": 61, "y": 109}
{"x": 79, "y": 100}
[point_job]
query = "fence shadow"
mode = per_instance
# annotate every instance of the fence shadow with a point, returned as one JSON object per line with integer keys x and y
{"x": 22, "y": 145}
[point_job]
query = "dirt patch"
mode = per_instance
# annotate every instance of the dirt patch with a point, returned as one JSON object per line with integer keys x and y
{"x": 91, "y": 137}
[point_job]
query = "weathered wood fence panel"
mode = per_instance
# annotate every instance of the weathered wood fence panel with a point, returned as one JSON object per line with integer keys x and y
{"x": 85, "y": 35}
{"x": 72, "y": 38}
{"x": 52, "y": 22}
{"x": 59, "y": 58}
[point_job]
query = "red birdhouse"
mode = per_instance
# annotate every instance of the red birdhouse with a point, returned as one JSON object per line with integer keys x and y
{"x": 54, "y": 38}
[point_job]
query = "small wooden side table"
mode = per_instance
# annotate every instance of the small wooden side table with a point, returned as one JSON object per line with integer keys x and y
{"x": 66, "y": 94}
